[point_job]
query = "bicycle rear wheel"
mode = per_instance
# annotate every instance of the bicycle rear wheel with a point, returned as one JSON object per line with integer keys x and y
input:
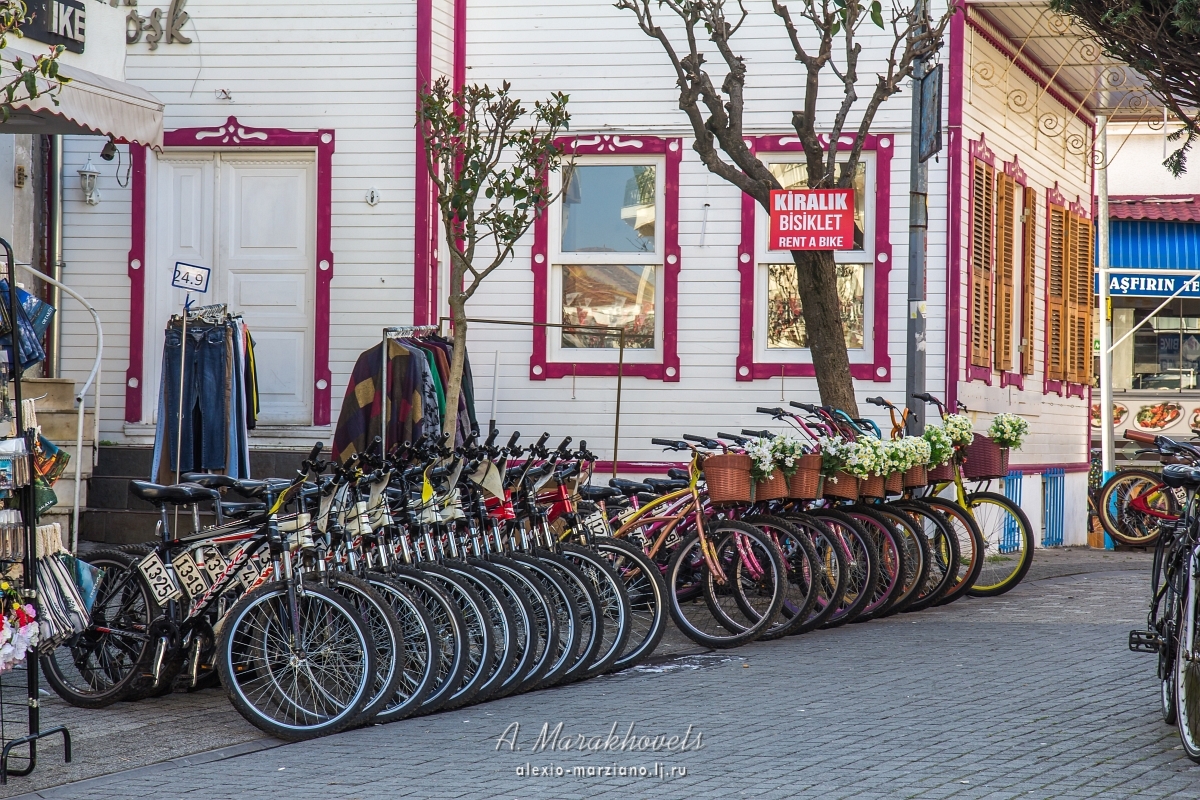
{"x": 1007, "y": 543}
{"x": 296, "y": 677}
{"x": 745, "y": 554}
{"x": 108, "y": 661}
{"x": 943, "y": 552}
{"x": 1127, "y": 524}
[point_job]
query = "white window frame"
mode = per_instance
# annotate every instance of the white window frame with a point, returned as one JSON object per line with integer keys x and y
{"x": 557, "y": 258}
{"x": 865, "y": 257}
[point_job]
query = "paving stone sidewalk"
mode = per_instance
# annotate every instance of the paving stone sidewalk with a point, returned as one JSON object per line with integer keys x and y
{"x": 1032, "y": 694}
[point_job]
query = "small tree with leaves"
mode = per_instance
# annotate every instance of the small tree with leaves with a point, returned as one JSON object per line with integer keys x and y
{"x": 490, "y": 160}
{"x": 20, "y": 82}
{"x": 824, "y": 36}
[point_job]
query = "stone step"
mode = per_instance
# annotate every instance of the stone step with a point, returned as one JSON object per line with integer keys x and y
{"x": 117, "y": 527}
{"x": 59, "y": 393}
{"x": 61, "y": 427}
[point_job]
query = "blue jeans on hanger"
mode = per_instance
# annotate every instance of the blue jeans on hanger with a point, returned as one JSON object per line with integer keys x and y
{"x": 203, "y": 393}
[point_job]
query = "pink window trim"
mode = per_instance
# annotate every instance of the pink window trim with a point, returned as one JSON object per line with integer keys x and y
{"x": 880, "y": 368}
{"x": 1054, "y": 196}
{"x": 540, "y": 368}
{"x": 229, "y": 135}
{"x": 1012, "y": 379}
{"x": 978, "y": 151}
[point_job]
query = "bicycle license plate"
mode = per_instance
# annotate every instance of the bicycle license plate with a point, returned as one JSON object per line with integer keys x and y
{"x": 595, "y": 524}
{"x": 189, "y": 573}
{"x": 162, "y": 583}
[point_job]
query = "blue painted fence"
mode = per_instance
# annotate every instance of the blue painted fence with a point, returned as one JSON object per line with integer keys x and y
{"x": 1053, "y": 513}
{"x": 1010, "y": 542}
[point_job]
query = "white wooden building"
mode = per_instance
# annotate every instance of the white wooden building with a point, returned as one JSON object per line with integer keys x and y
{"x": 291, "y": 166}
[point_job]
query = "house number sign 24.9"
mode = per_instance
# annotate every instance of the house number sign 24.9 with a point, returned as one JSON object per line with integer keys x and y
{"x": 156, "y": 27}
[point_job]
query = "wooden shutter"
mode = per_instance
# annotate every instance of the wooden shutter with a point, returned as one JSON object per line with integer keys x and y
{"x": 1028, "y": 263}
{"x": 1002, "y": 322}
{"x": 1081, "y": 297}
{"x": 982, "y": 238}
{"x": 1056, "y": 299}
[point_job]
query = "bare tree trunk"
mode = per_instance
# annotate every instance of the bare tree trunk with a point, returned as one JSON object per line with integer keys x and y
{"x": 458, "y": 317}
{"x": 817, "y": 281}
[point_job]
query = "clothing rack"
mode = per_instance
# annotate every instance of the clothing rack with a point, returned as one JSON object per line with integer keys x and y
{"x": 29, "y": 576}
{"x": 396, "y": 332}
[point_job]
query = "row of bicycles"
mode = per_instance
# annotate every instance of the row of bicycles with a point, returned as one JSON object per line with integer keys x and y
{"x": 430, "y": 577}
{"x": 1159, "y": 509}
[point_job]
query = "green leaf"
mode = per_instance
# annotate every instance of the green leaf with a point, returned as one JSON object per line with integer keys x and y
{"x": 877, "y": 13}
{"x": 835, "y": 28}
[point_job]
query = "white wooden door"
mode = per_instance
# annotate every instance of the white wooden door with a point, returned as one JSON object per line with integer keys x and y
{"x": 251, "y": 218}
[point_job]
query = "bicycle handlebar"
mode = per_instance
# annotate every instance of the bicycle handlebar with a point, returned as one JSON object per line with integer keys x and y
{"x": 732, "y": 437}
{"x": 879, "y": 401}
{"x": 674, "y": 444}
{"x": 1138, "y": 436}
{"x": 759, "y": 434}
{"x": 809, "y": 407}
{"x": 774, "y": 412}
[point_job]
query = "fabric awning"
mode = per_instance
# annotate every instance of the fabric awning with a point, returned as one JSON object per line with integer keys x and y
{"x": 89, "y": 104}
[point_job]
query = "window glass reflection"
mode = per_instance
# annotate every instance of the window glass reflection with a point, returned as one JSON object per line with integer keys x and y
{"x": 608, "y": 208}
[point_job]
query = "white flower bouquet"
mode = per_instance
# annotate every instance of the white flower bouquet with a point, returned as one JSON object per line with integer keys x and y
{"x": 869, "y": 458}
{"x": 941, "y": 446}
{"x": 905, "y": 453}
{"x": 1008, "y": 430}
{"x": 836, "y": 454}
{"x": 763, "y": 457}
{"x": 787, "y": 450}
{"x": 959, "y": 429}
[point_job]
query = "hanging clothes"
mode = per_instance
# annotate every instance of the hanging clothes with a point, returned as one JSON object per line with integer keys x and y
{"x": 214, "y": 397}
{"x": 418, "y": 373}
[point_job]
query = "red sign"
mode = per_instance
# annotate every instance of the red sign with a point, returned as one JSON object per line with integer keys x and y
{"x": 812, "y": 219}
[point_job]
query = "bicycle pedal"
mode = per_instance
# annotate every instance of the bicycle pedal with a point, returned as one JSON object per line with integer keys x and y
{"x": 1145, "y": 641}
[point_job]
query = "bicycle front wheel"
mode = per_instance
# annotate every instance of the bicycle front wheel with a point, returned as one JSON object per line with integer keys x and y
{"x": 1007, "y": 543}
{"x": 296, "y": 677}
{"x": 1187, "y": 668}
{"x": 747, "y": 556}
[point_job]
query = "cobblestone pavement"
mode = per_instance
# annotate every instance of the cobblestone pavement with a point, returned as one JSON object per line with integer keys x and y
{"x": 1032, "y": 694}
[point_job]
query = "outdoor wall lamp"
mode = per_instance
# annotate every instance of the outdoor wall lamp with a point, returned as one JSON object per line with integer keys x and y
{"x": 87, "y": 182}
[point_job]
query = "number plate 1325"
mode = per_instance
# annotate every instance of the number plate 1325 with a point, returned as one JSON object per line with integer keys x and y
{"x": 162, "y": 583}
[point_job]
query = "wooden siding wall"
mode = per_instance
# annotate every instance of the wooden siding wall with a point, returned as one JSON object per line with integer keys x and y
{"x": 288, "y": 64}
{"x": 619, "y": 81}
{"x": 1058, "y": 432}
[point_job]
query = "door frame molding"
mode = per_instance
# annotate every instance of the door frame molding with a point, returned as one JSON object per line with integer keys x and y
{"x": 234, "y": 135}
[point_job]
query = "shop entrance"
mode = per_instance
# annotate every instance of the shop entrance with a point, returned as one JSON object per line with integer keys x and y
{"x": 251, "y": 218}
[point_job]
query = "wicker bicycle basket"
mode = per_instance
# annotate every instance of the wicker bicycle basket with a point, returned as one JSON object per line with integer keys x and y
{"x": 942, "y": 474}
{"x": 894, "y": 483}
{"x": 985, "y": 459}
{"x": 805, "y": 484}
{"x": 842, "y": 486}
{"x": 871, "y": 487}
{"x": 773, "y": 488}
{"x": 916, "y": 477}
{"x": 728, "y": 478}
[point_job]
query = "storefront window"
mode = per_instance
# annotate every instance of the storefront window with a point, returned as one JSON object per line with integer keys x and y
{"x": 785, "y": 317}
{"x": 612, "y": 295}
{"x": 1164, "y": 354}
